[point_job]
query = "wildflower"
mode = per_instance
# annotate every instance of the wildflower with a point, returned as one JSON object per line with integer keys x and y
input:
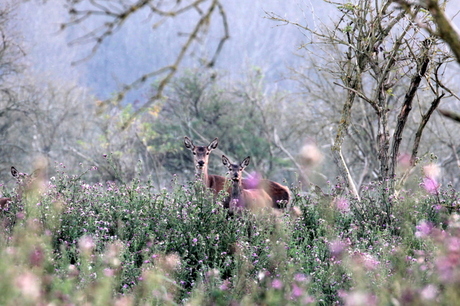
{"x": 277, "y": 284}
{"x": 337, "y": 248}
{"x": 169, "y": 262}
{"x": 342, "y": 204}
{"x": 366, "y": 260}
{"x": 423, "y": 229}
{"x": 430, "y": 185}
{"x": 213, "y": 273}
{"x": 86, "y": 244}
{"x": 429, "y": 292}
{"x": 109, "y": 272}
{"x": 296, "y": 292}
{"x": 253, "y": 181}
{"x": 310, "y": 155}
{"x": 124, "y": 301}
{"x": 404, "y": 161}
{"x": 454, "y": 221}
{"x": 29, "y": 284}
{"x": 36, "y": 257}
{"x": 359, "y": 298}
{"x": 300, "y": 277}
{"x": 225, "y": 285}
{"x": 430, "y": 181}
{"x": 432, "y": 171}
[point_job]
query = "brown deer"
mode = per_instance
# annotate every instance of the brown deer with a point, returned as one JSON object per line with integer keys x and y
{"x": 201, "y": 159}
{"x": 23, "y": 180}
{"x": 279, "y": 193}
{"x": 240, "y": 198}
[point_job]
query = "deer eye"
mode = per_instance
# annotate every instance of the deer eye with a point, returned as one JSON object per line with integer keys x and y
{"x": 194, "y": 153}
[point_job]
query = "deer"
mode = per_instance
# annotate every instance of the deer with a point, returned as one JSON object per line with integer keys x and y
{"x": 280, "y": 194}
{"x": 201, "y": 160}
{"x": 24, "y": 181}
{"x": 240, "y": 198}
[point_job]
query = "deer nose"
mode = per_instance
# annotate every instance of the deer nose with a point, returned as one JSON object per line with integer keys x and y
{"x": 200, "y": 163}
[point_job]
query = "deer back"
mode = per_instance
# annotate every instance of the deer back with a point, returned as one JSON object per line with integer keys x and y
{"x": 279, "y": 194}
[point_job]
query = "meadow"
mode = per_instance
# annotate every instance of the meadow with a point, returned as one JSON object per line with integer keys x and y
{"x": 69, "y": 242}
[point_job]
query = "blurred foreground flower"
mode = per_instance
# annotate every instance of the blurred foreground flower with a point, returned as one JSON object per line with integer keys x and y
{"x": 430, "y": 185}
{"x": 430, "y": 181}
{"x": 253, "y": 180}
{"x": 86, "y": 244}
{"x": 423, "y": 229}
{"x": 310, "y": 155}
{"x": 29, "y": 285}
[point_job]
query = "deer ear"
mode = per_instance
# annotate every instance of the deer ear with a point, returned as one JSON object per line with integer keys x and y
{"x": 14, "y": 172}
{"x": 245, "y": 162}
{"x": 225, "y": 160}
{"x": 188, "y": 143}
{"x": 213, "y": 144}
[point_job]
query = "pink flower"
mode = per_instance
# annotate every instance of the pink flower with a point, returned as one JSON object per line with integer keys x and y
{"x": 430, "y": 185}
{"x": 296, "y": 292}
{"x": 342, "y": 204}
{"x": 29, "y": 284}
{"x": 429, "y": 292}
{"x": 277, "y": 284}
{"x": 430, "y": 181}
{"x": 423, "y": 229}
{"x": 225, "y": 285}
{"x": 253, "y": 181}
{"x": 299, "y": 277}
{"x": 404, "y": 161}
{"x": 86, "y": 244}
{"x": 337, "y": 247}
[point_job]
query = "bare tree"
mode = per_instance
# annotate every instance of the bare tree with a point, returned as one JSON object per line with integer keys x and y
{"x": 110, "y": 16}
{"x": 377, "y": 54}
{"x": 10, "y": 54}
{"x": 441, "y": 27}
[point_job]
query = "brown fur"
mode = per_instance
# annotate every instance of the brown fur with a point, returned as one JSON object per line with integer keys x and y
{"x": 240, "y": 198}
{"x": 279, "y": 194}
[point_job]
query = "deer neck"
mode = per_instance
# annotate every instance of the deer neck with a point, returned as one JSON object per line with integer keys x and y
{"x": 236, "y": 190}
{"x": 203, "y": 174}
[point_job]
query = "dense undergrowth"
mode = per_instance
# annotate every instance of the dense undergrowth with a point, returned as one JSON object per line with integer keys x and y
{"x": 74, "y": 243}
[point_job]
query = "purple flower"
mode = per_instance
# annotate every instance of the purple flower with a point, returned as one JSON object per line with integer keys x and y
{"x": 277, "y": 284}
{"x": 296, "y": 292}
{"x": 430, "y": 185}
{"x": 253, "y": 181}
{"x": 423, "y": 229}
{"x": 337, "y": 247}
{"x": 299, "y": 277}
{"x": 342, "y": 204}
{"x": 225, "y": 285}
{"x": 429, "y": 292}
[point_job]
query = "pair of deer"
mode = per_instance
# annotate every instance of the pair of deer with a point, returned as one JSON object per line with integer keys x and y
{"x": 242, "y": 193}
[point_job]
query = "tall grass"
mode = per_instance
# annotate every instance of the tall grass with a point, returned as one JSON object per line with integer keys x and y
{"x": 74, "y": 243}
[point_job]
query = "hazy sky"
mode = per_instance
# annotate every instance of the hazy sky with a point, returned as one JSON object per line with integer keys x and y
{"x": 137, "y": 49}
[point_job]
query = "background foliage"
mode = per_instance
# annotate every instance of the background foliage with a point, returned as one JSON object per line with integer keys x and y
{"x": 115, "y": 218}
